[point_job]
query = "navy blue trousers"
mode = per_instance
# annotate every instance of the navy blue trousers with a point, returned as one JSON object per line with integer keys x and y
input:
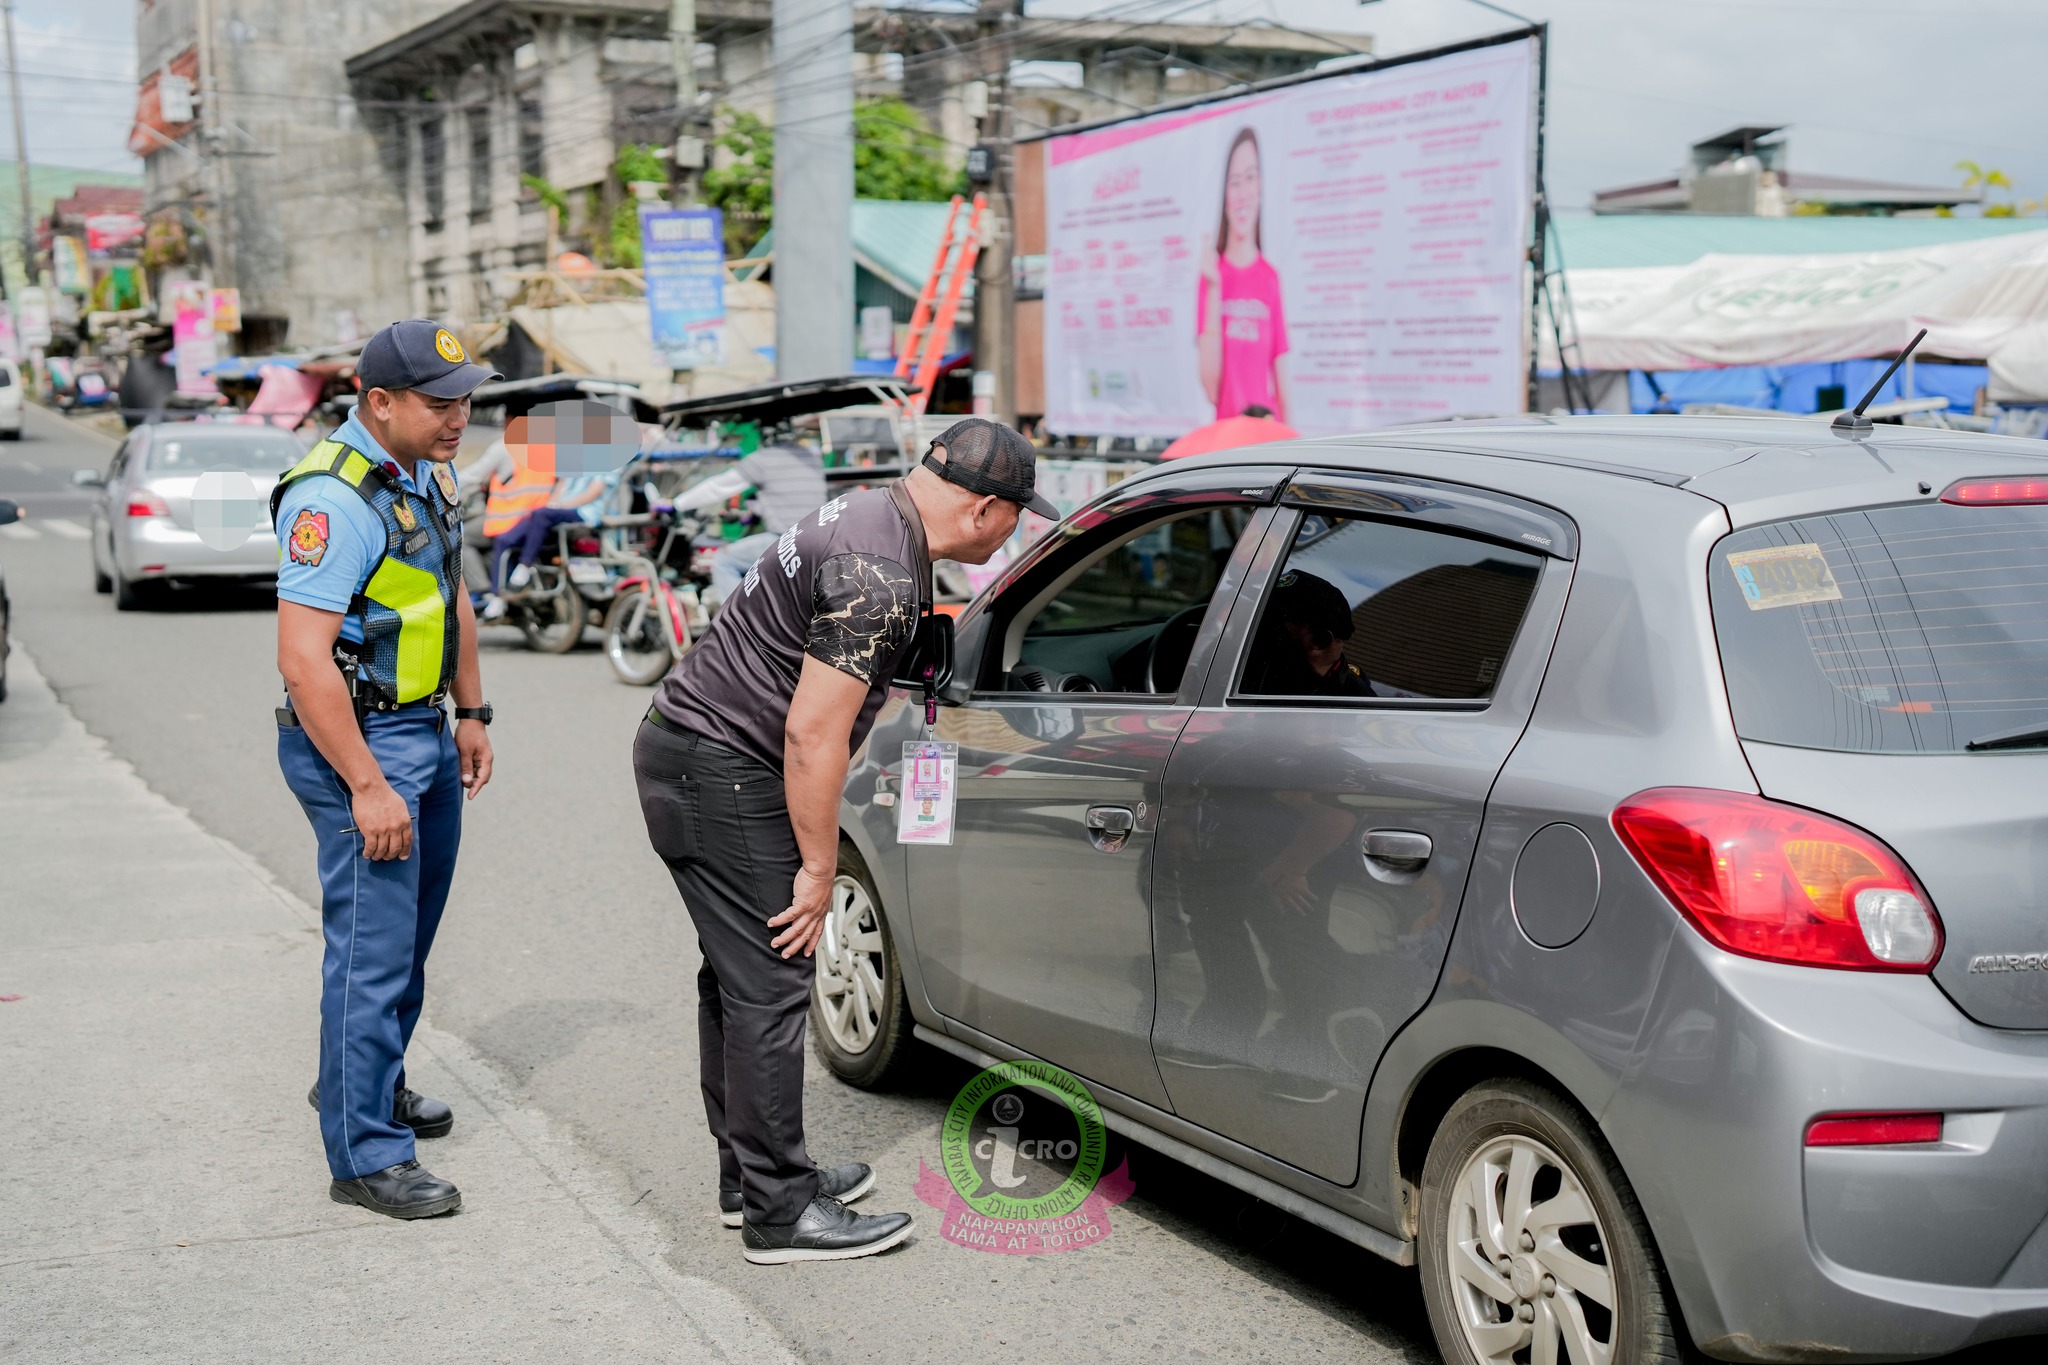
{"x": 379, "y": 920}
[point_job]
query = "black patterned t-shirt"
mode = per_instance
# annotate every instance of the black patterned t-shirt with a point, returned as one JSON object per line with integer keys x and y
{"x": 839, "y": 586}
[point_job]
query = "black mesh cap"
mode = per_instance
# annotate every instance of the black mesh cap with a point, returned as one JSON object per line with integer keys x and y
{"x": 990, "y": 458}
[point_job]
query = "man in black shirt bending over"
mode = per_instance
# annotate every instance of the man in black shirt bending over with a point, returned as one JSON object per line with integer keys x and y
{"x": 740, "y": 766}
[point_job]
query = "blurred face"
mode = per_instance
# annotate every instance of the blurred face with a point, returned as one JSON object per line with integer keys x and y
{"x": 415, "y": 427}
{"x": 1322, "y": 649}
{"x": 1241, "y": 192}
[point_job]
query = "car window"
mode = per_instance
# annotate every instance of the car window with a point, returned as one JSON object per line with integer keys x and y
{"x": 1363, "y": 609}
{"x": 6, "y": 376}
{"x": 197, "y": 452}
{"x": 1127, "y": 620}
{"x": 1911, "y": 629}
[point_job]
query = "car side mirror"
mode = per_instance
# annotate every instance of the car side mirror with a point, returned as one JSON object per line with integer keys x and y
{"x": 88, "y": 478}
{"x": 928, "y": 663}
{"x": 10, "y": 512}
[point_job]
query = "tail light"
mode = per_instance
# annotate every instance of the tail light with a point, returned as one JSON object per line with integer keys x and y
{"x": 143, "y": 503}
{"x": 1996, "y": 492}
{"x": 1872, "y": 1130}
{"x": 1780, "y": 882}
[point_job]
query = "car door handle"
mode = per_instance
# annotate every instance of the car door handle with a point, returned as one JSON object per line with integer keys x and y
{"x": 1109, "y": 827}
{"x": 1396, "y": 850}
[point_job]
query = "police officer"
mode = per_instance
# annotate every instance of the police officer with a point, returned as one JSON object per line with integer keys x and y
{"x": 740, "y": 765}
{"x": 374, "y": 629}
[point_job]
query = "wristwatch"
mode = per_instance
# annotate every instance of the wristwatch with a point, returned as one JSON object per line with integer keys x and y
{"x": 482, "y": 713}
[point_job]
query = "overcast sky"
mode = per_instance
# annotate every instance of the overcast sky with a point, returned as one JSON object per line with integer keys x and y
{"x": 1895, "y": 89}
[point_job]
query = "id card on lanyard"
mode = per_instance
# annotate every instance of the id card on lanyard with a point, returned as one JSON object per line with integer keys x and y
{"x": 931, "y": 770}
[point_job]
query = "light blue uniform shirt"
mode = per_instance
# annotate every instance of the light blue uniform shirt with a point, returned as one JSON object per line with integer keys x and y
{"x": 355, "y": 535}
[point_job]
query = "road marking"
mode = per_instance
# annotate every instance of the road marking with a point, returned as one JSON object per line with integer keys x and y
{"x": 31, "y": 466}
{"x": 70, "y": 530}
{"x": 17, "y": 531}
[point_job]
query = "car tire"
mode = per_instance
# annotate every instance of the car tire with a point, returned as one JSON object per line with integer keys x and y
{"x": 131, "y": 594}
{"x": 1491, "y": 1248}
{"x": 102, "y": 581}
{"x": 860, "y": 1019}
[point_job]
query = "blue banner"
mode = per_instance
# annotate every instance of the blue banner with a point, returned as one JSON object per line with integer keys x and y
{"x": 682, "y": 254}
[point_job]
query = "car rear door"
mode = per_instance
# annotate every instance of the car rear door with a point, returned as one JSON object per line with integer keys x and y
{"x": 1033, "y": 927}
{"x": 1321, "y": 805}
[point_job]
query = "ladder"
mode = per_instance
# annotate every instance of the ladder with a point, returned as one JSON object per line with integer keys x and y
{"x": 931, "y": 323}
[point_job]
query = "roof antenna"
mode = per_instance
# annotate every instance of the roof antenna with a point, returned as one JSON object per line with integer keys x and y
{"x": 1853, "y": 422}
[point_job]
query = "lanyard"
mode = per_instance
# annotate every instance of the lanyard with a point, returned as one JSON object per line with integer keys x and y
{"x": 907, "y": 509}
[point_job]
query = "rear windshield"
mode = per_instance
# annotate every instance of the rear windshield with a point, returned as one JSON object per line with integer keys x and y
{"x": 199, "y": 452}
{"x": 1911, "y": 629}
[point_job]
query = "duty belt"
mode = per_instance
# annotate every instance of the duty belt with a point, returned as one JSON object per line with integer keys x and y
{"x": 366, "y": 697}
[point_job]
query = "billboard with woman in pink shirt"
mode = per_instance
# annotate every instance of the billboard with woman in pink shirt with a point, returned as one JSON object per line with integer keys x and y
{"x": 1240, "y": 318}
{"x": 1347, "y": 251}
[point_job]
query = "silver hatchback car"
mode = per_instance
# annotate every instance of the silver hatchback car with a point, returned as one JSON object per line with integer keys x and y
{"x": 1603, "y": 862}
{"x": 143, "y": 532}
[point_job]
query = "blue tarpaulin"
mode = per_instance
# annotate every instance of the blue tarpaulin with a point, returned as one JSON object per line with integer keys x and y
{"x": 1795, "y": 388}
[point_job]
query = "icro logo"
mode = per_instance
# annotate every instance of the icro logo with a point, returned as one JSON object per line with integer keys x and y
{"x": 1023, "y": 1149}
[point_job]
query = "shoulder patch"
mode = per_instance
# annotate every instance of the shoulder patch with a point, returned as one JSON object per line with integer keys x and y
{"x": 308, "y": 538}
{"x": 444, "y": 477}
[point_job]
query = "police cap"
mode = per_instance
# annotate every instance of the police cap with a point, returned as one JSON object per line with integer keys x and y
{"x": 420, "y": 354}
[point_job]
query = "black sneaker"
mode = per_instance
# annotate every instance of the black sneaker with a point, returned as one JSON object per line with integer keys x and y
{"x": 428, "y": 1118}
{"x": 828, "y": 1231}
{"x": 406, "y": 1190}
{"x": 844, "y": 1183}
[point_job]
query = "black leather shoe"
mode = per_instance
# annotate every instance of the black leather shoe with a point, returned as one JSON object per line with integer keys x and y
{"x": 406, "y": 1190}
{"x": 428, "y": 1118}
{"x": 828, "y": 1231}
{"x": 844, "y": 1183}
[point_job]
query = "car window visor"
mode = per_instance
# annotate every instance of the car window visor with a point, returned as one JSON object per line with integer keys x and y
{"x": 1451, "y": 507}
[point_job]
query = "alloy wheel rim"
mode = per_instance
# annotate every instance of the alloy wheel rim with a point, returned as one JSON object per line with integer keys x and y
{"x": 850, "y": 981}
{"x": 1531, "y": 1279}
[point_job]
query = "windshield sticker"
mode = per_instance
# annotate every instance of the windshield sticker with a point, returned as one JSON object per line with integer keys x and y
{"x": 1784, "y": 576}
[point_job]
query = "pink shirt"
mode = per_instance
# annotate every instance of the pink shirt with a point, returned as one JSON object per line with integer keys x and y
{"x": 1254, "y": 335}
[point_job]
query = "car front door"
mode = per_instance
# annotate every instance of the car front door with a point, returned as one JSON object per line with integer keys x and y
{"x": 1033, "y": 927}
{"x": 1322, "y": 803}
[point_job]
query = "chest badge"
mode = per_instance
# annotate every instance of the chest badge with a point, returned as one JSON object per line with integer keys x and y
{"x": 308, "y": 537}
{"x": 407, "y": 521}
{"x": 444, "y": 479}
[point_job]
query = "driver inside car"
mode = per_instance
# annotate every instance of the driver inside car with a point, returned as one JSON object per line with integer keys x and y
{"x": 1299, "y": 650}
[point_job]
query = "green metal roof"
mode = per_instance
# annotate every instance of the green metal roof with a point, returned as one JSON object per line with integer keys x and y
{"x": 894, "y": 240}
{"x": 1648, "y": 239}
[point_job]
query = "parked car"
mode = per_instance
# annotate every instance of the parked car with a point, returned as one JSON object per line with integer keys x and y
{"x": 10, "y": 512}
{"x": 143, "y": 534}
{"x": 1598, "y": 860}
{"x": 11, "y": 397}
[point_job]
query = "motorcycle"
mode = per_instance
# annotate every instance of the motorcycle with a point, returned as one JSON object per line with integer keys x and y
{"x": 658, "y": 609}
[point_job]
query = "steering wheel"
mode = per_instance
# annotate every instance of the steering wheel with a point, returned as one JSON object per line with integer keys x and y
{"x": 1171, "y": 647}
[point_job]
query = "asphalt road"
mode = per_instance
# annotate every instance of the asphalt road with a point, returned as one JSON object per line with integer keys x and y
{"x": 567, "y": 961}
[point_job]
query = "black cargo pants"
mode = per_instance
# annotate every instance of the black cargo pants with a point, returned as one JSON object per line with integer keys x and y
{"x": 719, "y": 821}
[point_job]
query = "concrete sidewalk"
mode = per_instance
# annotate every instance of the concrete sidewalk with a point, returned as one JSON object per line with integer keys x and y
{"x": 162, "y": 1189}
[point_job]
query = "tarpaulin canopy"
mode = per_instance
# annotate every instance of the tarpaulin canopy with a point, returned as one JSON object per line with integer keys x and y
{"x": 1983, "y": 300}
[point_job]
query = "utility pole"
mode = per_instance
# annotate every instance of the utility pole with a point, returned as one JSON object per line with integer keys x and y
{"x": 689, "y": 150}
{"x": 28, "y": 212}
{"x": 219, "y": 224}
{"x": 813, "y": 55}
{"x": 995, "y": 312}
